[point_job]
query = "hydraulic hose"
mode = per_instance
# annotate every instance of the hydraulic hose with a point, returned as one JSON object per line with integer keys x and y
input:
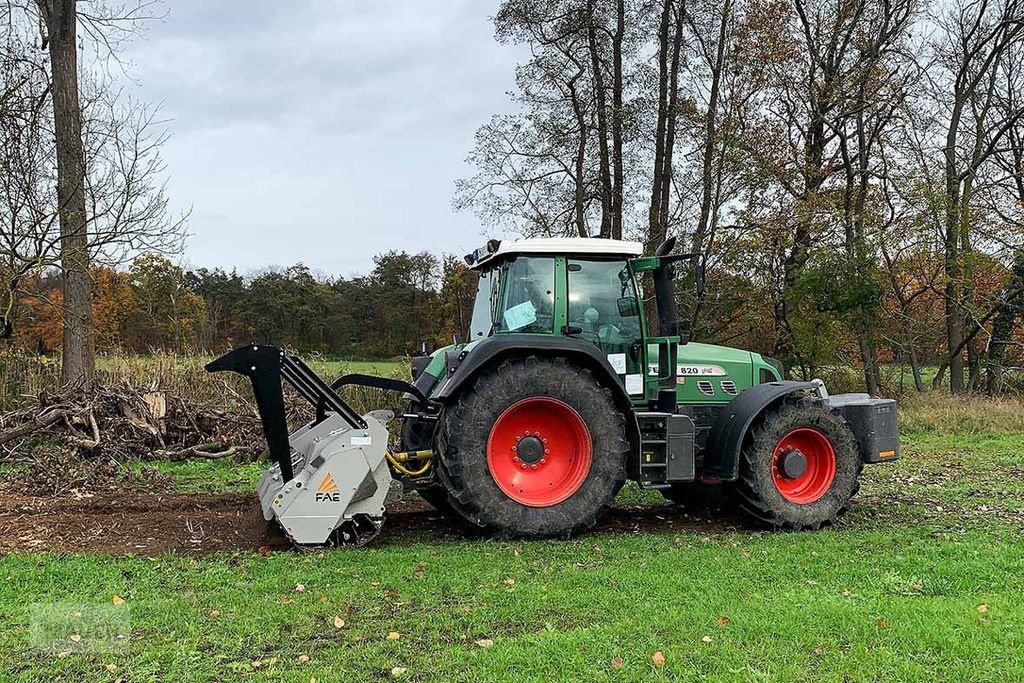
{"x": 398, "y": 460}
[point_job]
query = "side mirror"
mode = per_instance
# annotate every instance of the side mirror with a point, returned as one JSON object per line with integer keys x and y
{"x": 628, "y": 307}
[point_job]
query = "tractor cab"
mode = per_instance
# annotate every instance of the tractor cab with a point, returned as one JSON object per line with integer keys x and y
{"x": 590, "y": 290}
{"x": 532, "y": 287}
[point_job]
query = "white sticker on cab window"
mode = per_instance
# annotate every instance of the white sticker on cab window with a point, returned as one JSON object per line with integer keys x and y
{"x": 634, "y": 384}
{"x": 520, "y": 316}
{"x": 618, "y": 362}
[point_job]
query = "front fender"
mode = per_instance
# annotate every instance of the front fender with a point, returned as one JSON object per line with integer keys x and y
{"x": 479, "y": 356}
{"x": 725, "y": 442}
{"x": 486, "y": 352}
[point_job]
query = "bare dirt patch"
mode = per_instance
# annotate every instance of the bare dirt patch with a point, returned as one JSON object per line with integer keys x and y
{"x": 148, "y": 524}
{"x": 132, "y": 523}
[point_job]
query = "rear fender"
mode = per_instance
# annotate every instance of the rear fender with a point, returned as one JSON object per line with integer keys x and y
{"x": 725, "y": 442}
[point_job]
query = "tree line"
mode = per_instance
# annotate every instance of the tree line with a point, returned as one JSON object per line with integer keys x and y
{"x": 858, "y": 165}
{"x": 155, "y": 305}
{"x": 408, "y": 300}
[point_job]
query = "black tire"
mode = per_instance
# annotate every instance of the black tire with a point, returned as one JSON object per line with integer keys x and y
{"x": 466, "y": 427}
{"x": 761, "y": 498}
{"x": 418, "y": 435}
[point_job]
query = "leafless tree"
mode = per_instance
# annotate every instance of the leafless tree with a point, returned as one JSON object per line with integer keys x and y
{"x": 82, "y": 179}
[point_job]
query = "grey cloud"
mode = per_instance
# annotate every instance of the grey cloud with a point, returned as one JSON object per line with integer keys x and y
{"x": 322, "y": 131}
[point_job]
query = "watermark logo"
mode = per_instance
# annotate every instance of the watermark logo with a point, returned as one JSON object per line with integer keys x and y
{"x": 62, "y": 628}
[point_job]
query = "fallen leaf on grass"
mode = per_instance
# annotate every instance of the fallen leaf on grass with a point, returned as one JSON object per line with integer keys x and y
{"x": 658, "y": 658}
{"x": 111, "y": 668}
{"x": 706, "y": 639}
{"x": 484, "y": 642}
{"x": 419, "y": 573}
{"x": 518, "y": 551}
{"x": 75, "y": 638}
{"x": 916, "y": 587}
{"x": 982, "y": 608}
{"x": 509, "y": 581}
{"x": 117, "y": 600}
{"x": 299, "y": 588}
{"x": 394, "y": 635}
{"x": 338, "y": 622}
{"x": 263, "y": 549}
{"x": 882, "y": 623}
{"x": 303, "y": 659}
{"x": 723, "y": 620}
{"x": 398, "y": 671}
{"x": 616, "y": 662}
{"x": 215, "y": 613}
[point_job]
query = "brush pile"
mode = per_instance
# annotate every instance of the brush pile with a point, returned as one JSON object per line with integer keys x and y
{"x": 122, "y": 423}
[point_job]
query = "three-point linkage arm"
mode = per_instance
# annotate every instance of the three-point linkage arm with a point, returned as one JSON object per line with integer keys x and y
{"x": 265, "y": 366}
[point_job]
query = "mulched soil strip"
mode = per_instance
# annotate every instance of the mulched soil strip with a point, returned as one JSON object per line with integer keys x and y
{"x": 198, "y": 524}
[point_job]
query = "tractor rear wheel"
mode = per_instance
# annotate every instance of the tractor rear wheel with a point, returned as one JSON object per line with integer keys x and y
{"x": 536, "y": 447}
{"x": 800, "y": 467}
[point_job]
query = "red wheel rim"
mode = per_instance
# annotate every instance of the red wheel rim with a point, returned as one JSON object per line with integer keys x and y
{"x": 539, "y": 452}
{"x": 819, "y": 457}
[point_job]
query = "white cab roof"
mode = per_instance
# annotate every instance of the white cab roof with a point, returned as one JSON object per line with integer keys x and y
{"x": 569, "y": 246}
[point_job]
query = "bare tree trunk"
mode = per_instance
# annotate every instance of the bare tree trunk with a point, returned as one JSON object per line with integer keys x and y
{"x": 79, "y": 362}
{"x": 604, "y": 166}
{"x": 707, "y": 199}
{"x": 617, "y": 162}
{"x": 915, "y": 368}
{"x": 580, "y": 197}
{"x": 952, "y": 292}
{"x": 673, "y": 114}
{"x": 655, "y": 229}
{"x": 869, "y": 358}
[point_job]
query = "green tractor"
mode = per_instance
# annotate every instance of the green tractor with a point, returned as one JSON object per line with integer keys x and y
{"x": 560, "y": 395}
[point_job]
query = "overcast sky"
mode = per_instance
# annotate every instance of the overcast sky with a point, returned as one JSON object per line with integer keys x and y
{"x": 321, "y": 131}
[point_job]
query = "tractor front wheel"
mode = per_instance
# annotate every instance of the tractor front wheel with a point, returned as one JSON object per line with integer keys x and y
{"x": 535, "y": 447}
{"x": 799, "y": 468}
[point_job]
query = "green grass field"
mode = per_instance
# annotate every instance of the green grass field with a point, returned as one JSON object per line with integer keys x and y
{"x": 920, "y": 582}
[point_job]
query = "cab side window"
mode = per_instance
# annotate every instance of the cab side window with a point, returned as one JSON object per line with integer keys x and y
{"x": 603, "y": 304}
